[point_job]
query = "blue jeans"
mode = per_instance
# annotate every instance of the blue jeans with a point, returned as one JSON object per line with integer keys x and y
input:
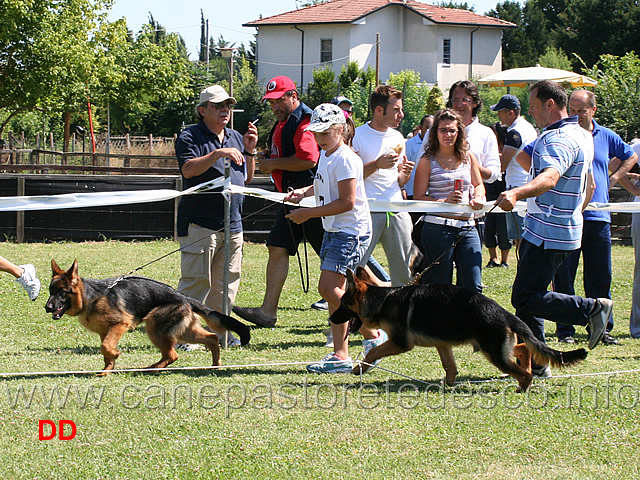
{"x": 530, "y": 297}
{"x": 437, "y": 239}
{"x": 596, "y": 259}
{"x": 341, "y": 251}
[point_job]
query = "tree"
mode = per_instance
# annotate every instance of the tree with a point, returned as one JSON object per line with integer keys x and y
{"x": 458, "y": 5}
{"x": 435, "y": 101}
{"x": 45, "y": 57}
{"x": 618, "y": 93}
{"x": 414, "y": 94}
{"x": 136, "y": 77}
{"x": 589, "y": 28}
{"x": 522, "y": 46}
{"x": 349, "y": 74}
{"x": 322, "y": 88}
{"x": 555, "y": 58}
{"x": 202, "y": 52}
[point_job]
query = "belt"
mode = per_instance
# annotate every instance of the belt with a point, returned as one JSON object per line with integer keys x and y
{"x": 449, "y": 222}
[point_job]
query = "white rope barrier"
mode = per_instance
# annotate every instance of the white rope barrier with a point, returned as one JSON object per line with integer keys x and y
{"x": 285, "y": 364}
{"x": 99, "y": 199}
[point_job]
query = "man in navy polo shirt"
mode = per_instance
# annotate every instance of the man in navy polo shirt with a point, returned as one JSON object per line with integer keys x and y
{"x": 596, "y": 235}
{"x": 560, "y": 186}
{"x": 201, "y": 150}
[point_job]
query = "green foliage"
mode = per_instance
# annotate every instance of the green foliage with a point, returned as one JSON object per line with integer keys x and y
{"x": 349, "y": 74}
{"x": 586, "y": 28}
{"x": 522, "y": 46}
{"x": 414, "y": 95}
{"x": 44, "y": 57}
{"x": 138, "y": 76}
{"x": 249, "y": 93}
{"x": 589, "y": 28}
{"x": 459, "y": 5}
{"x": 618, "y": 93}
{"x": 435, "y": 101}
{"x": 555, "y": 58}
{"x": 322, "y": 88}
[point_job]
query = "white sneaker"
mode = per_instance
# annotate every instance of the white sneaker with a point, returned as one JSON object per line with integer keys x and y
{"x": 232, "y": 341}
{"x": 331, "y": 364}
{"x": 29, "y": 281}
{"x": 368, "y": 345}
{"x": 329, "y": 335}
{"x": 189, "y": 347}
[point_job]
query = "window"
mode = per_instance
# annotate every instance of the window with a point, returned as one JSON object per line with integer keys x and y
{"x": 446, "y": 51}
{"x": 326, "y": 50}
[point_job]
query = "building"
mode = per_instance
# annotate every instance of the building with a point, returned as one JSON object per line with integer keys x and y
{"x": 443, "y": 44}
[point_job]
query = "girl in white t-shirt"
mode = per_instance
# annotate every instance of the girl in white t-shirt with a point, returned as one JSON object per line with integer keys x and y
{"x": 342, "y": 204}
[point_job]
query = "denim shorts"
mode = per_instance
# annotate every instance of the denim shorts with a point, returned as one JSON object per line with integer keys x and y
{"x": 341, "y": 251}
{"x": 515, "y": 225}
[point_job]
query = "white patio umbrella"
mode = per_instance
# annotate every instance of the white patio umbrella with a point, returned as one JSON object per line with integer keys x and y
{"x": 523, "y": 77}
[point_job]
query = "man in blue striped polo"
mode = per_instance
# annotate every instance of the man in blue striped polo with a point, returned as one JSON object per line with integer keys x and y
{"x": 560, "y": 186}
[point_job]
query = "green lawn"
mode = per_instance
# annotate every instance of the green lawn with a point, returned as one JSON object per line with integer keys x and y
{"x": 262, "y": 422}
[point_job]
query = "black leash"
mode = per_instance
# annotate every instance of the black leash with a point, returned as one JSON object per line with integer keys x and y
{"x": 125, "y": 275}
{"x": 305, "y": 287}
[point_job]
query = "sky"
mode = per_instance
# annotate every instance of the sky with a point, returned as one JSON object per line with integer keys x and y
{"x": 183, "y": 16}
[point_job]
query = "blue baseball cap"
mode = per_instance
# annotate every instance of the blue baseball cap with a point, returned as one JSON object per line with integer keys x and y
{"x": 509, "y": 102}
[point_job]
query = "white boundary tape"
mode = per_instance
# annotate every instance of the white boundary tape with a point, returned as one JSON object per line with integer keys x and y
{"x": 98, "y": 199}
{"x": 284, "y": 364}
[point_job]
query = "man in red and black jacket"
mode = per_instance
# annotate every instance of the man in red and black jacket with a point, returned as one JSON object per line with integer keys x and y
{"x": 292, "y": 163}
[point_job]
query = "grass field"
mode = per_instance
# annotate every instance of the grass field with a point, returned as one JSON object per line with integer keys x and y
{"x": 268, "y": 421}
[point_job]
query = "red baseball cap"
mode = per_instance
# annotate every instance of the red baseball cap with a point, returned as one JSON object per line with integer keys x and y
{"x": 278, "y": 86}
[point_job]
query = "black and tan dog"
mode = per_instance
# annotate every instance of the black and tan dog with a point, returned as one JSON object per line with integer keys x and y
{"x": 443, "y": 316}
{"x": 110, "y": 307}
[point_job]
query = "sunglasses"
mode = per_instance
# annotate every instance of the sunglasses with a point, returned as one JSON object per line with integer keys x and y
{"x": 221, "y": 105}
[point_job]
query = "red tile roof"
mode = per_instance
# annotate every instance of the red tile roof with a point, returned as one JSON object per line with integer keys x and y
{"x": 347, "y": 11}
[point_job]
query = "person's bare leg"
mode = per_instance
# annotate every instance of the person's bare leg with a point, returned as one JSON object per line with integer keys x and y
{"x": 9, "y": 267}
{"x": 277, "y": 271}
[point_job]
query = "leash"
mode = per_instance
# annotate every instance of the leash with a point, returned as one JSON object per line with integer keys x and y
{"x": 125, "y": 275}
{"x": 305, "y": 287}
{"x": 460, "y": 236}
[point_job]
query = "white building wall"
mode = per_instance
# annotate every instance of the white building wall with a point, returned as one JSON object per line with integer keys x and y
{"x": 407, "y": 41}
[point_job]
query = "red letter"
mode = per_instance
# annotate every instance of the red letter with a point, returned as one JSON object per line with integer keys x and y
{"x": 61, "y": 425}
{"x": 41, "y": 424}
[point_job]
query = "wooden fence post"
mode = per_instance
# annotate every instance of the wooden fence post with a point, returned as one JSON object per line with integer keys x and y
{"x": 20, "y": 190}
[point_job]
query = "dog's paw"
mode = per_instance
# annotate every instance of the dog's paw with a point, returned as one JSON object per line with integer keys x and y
{"x": 359, "y": 369}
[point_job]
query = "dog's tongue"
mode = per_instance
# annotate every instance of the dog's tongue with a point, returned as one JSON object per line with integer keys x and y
{"x": 58, "y": 313}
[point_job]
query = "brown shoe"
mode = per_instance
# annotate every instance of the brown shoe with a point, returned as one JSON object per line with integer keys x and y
{"x": 254, "y": 315}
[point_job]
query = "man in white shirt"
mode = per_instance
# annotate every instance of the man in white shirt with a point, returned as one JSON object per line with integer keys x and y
{"x": 386, "y": 170}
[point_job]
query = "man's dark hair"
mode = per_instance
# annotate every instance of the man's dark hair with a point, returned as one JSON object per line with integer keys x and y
{"x": 547, "y": 89}
{"x": 381, "y": 96}
{"x": 471, "y": 90}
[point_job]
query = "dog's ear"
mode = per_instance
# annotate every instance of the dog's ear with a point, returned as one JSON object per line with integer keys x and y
{"x": 350, "y": 277}
{"x": 362, "y": 274}
{"x": 74, "y": 268}
{"x": 55, "y": 269}
{"x": 351, "y": 281}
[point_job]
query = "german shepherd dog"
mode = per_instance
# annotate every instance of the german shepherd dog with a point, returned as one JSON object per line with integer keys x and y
{"x": 112, "y": 306}
{"x": 443, "y": 316}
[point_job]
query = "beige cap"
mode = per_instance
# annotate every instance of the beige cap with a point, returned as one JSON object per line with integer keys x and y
{"x": 215, "y": 94}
